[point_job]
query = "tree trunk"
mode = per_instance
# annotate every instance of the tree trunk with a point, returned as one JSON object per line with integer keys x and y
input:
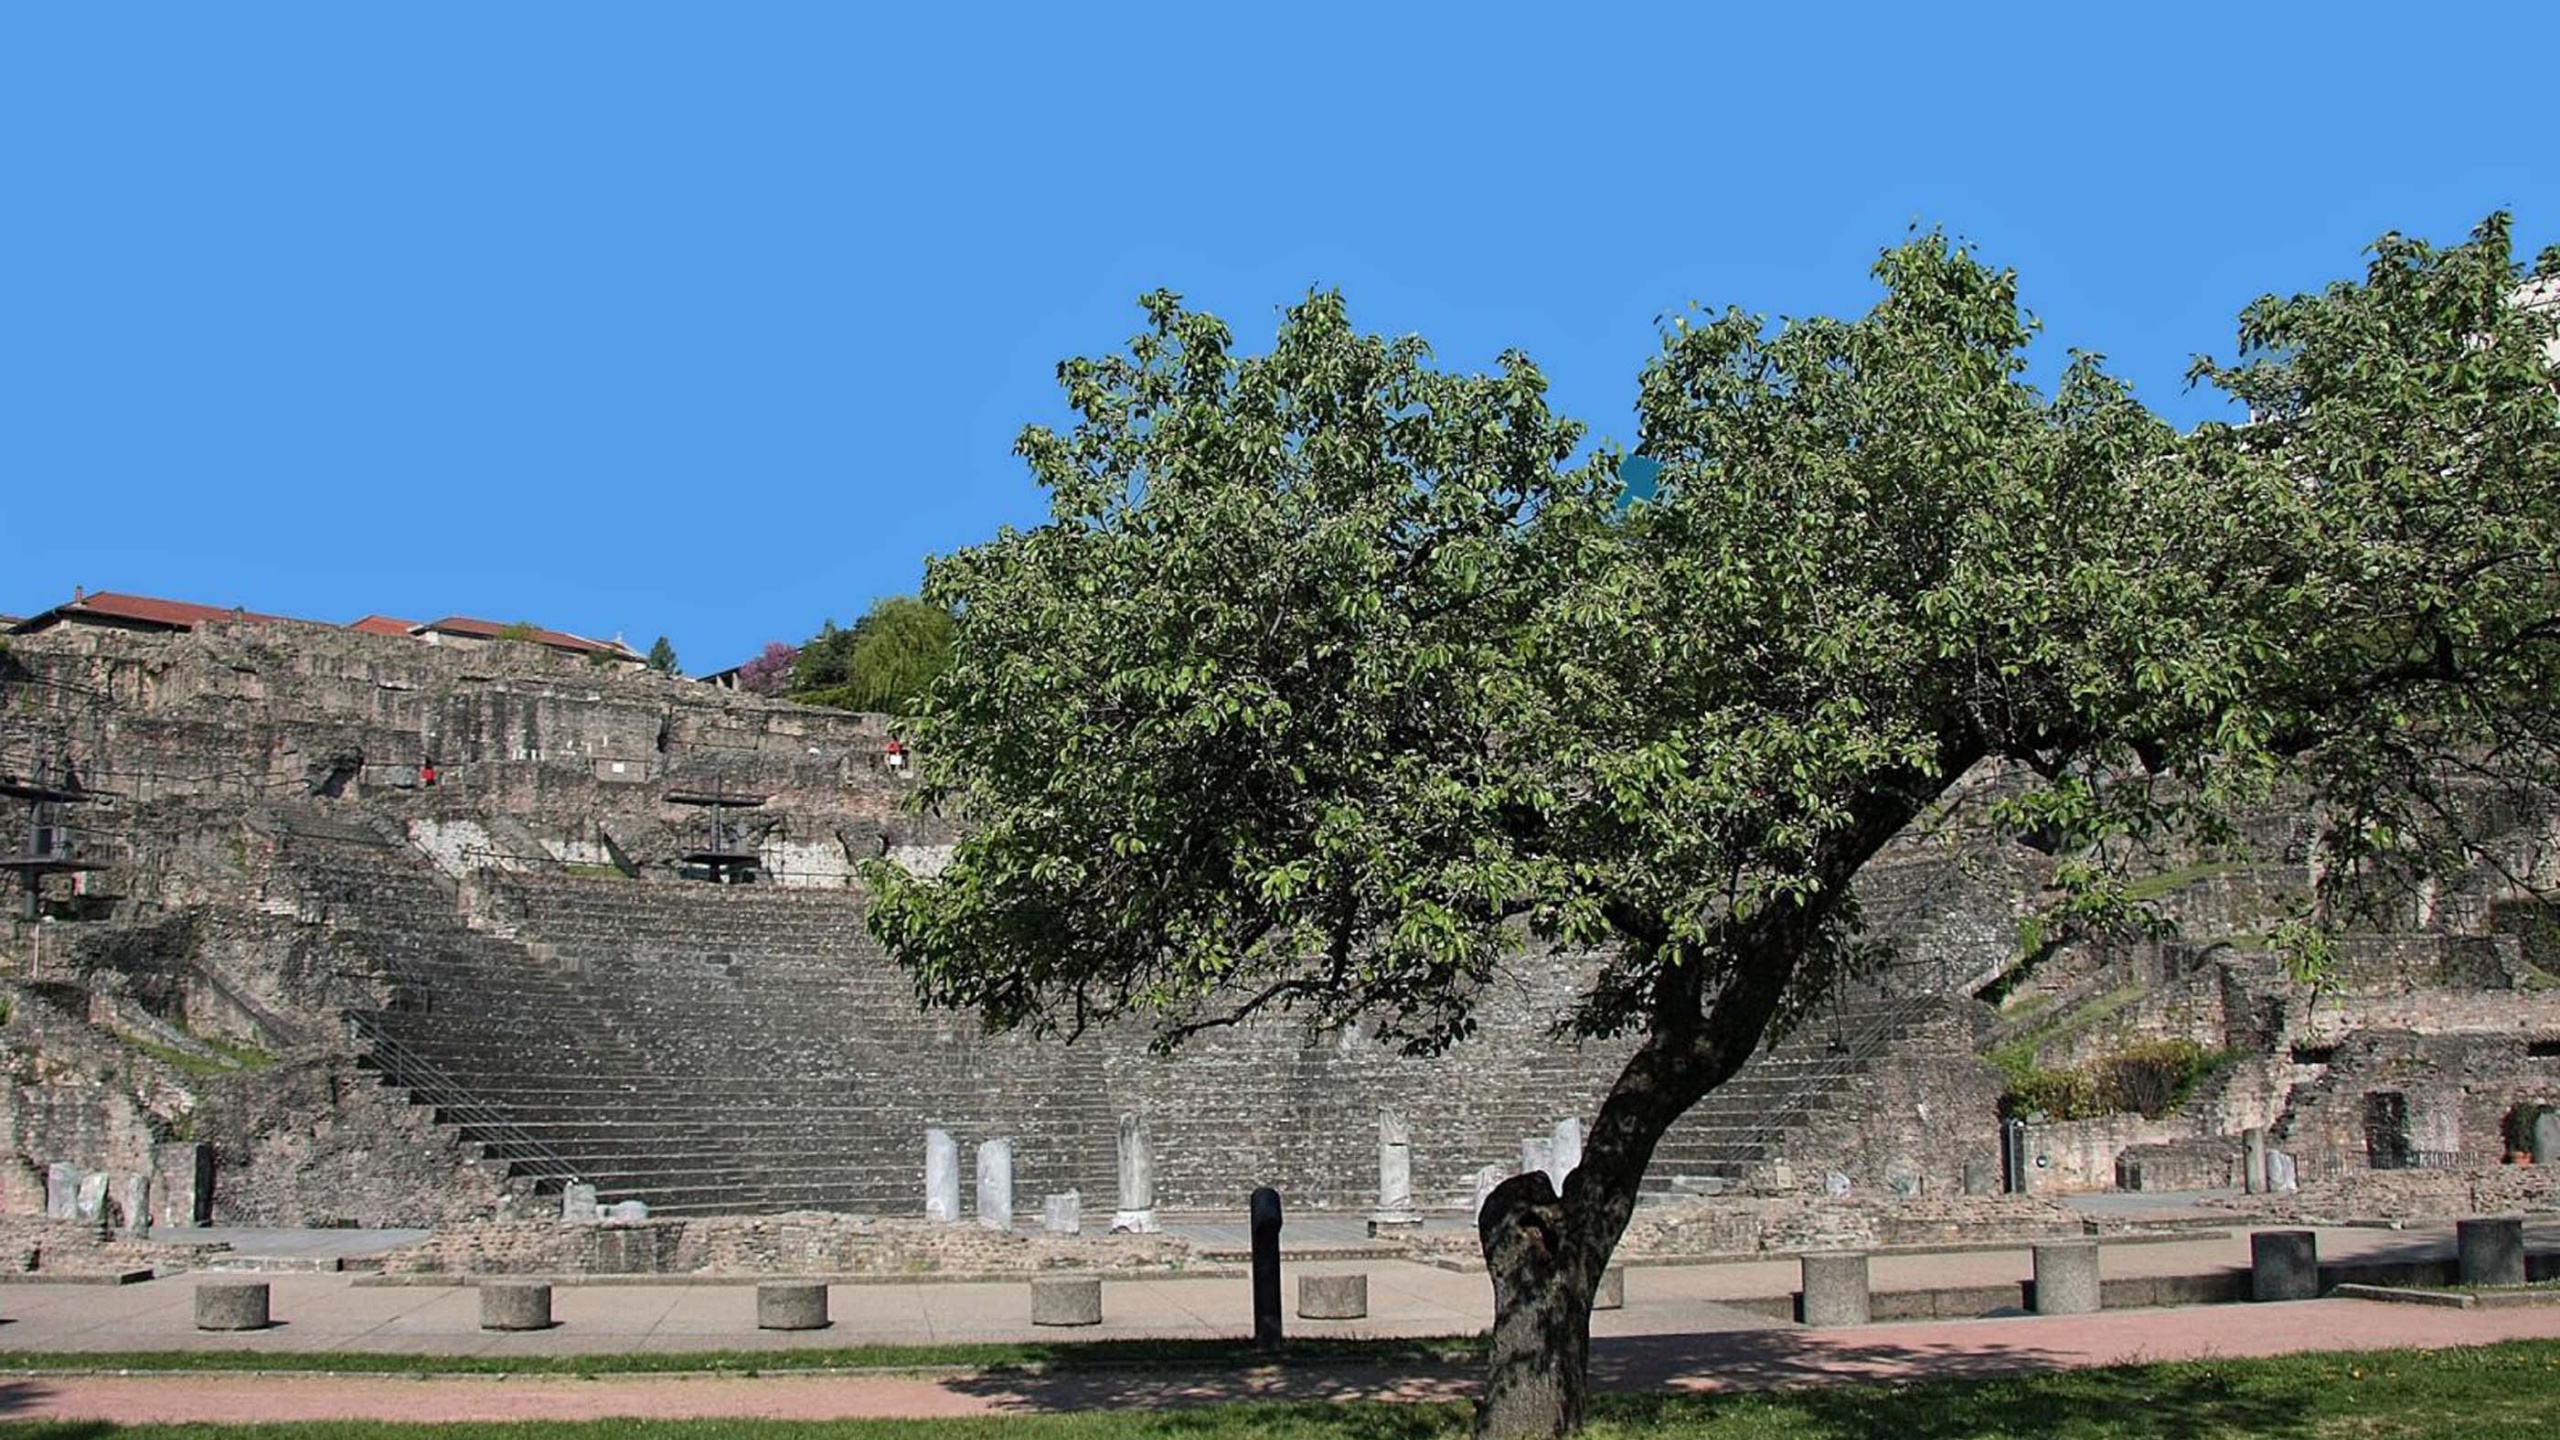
{"x": 1546, "y": 1252}
{"x": 1539, "y": 1378}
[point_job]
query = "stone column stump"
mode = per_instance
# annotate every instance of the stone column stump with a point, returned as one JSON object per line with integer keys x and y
{"x": 2284, "y": 1265}
{"x": 2067, "y": 1278}
{"x": 515, "y": 1305}
{"x": 1835, "y": 1288}
{"x": 1612, "y": 1294}
{"x": 1333, "y": 1297}
{"x": 791, "y": 1307}
{"x": 232, "y": 1305}
{"x": 2491, "y": 1249}
{"x": 1066, "y": 1300}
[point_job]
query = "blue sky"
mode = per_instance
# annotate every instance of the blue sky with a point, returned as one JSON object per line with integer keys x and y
{"x": 714, "y": 320}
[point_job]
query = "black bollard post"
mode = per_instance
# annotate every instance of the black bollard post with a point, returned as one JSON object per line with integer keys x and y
{"x": 1266, "y": 1269}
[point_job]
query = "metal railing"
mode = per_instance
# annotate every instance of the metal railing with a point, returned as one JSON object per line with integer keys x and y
{"x": 490, "y": 1126}
{"x": 1885, "y": 1013}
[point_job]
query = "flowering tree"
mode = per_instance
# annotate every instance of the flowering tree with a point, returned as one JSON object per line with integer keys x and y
{"x": 770, "y": 672}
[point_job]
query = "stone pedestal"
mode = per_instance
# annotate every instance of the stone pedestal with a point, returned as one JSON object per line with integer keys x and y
{"x": 1835, "y": 1288}
{"x": 1981, "y": 1177}
{"x": 2067, "y": 1278}
{"x": 232, "y": 1305}
{"x": 515, "y": 1305}
{"x": 995, "y": 1184}
{"x": 1062, "y": 1214}
{"x": 1395, "y": 1213}
{"x": 1537, "y": 1152}
{"x": 1066, "y": 1300}
{"x": 2490, "y": 1249}
{"x": 1612, "y": 1294}
{"x": 133, "y": 1206}
{"x": 61, "y": 1191}
{"x": 182, "y": 1183}
{"x": 2280, "y": 1173}
{"x": 1564, "y": 1151}
{"x": 578, "y": 1204}
{"x": 791, "y": 1306}
{"x": 1333, "y": 1297}
{"x": 1136, "y": 1158}
{"x": 92, "y": 1204}
{"x": 1485, "y": 1180}
{"x": 941, "y": 1176}
{"x": 2253, "y": 1160}
{"x": 2546, "y": 1137}
{"x": 2284, "y": 1265}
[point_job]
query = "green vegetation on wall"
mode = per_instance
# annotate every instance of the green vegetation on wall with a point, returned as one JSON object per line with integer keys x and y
{"x": 2152, "y": 1078}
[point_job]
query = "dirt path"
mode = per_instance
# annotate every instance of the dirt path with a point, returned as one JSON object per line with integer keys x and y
{"x": 1942, "y": 1349}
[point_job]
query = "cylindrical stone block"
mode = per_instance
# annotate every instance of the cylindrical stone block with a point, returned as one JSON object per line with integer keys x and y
{"x": 1333, "y": 1297}
{"x": 1835, "y": 1288}
{"x": 2491, "y": 1249}
{"x": 791, "y": 1307}
{"x": 2284, "y": 1265}
{"x": 1612, "y": 1294}
{"x": 232, "y": 1305}
{"x": 1066, "y": 1300}
{"x": 2067, "y": 1278}
{"x": 515, "y": 1305}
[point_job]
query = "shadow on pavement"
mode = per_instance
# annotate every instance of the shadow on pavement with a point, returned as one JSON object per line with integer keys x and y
{"x": 1736, "y": 1360}
{"x": 1662, "y": 1379}
{"x": 1779, "y": 1359}
{"x": 19, "y": 1397}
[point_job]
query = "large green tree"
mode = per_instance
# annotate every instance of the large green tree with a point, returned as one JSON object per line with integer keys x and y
{"x": 1333, "y": 687}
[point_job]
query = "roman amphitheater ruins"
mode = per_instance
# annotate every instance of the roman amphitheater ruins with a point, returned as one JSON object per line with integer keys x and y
{"x": 269, "y": 970}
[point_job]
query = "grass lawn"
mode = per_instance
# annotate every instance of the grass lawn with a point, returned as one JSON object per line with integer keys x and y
{"x": 2488, "y": 1393}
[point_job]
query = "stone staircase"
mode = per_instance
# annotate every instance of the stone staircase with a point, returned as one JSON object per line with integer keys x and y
{"x": 1746, "y": 1122}
{"x": 715, "y": 1049}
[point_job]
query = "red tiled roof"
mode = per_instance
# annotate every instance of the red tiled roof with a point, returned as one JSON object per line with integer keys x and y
{"x": 143, "y": 610}
{"x": 556, "y": 639}
{"x": 384, "y": 625}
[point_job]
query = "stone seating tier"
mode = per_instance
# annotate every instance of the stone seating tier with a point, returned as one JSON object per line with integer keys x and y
{"x": 710, "y": 1048}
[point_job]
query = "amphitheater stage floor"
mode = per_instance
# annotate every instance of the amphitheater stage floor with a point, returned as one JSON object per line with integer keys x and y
{"x": 331, "y": 1311}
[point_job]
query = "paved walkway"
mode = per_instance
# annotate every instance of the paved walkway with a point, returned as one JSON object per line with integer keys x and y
{"x": 1755, "y": 1359}
{"x": 1678, "y": 1330}
{"x": 328, "y": 1311}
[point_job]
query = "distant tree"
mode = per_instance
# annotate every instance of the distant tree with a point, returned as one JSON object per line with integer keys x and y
{"x": 770, "y": 672}
{"x": 826, "y": 658}
{"x": 662, "y": 657}
{"x": 522, "y": 630}
{"x": 1330, "y": 679}
{"x": 892, "y": 656}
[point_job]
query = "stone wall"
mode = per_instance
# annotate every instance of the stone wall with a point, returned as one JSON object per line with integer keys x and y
{"x": 799, "y": 1243}
{"x": 2455, "y": 1094}
{"x": 320, "y": 1143}
{"x": 1911, "y": 1126}
{"x": 278, "y": 868}
{"x": 2069, "y": 1156}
